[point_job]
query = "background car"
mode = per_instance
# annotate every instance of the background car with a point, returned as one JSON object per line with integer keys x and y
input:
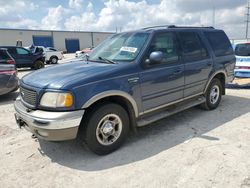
{"x": 242, "y": 53}
{"x": 25, "y": 58}
{"x": 51, "y": 55}
{"x": 8, "y": 73}
{"x": 84, "y": 51}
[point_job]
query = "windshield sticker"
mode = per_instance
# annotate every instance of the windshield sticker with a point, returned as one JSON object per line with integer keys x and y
{"x": 128, "y": 49}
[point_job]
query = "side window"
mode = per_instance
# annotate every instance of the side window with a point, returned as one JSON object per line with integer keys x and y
{"x": 4, "y": 55}
{"x": 220, "y": 43}
{"x": 12, "y": 51}
{"x": 193, "y": 48}
{"x": 38, "y": 50}
{"x": 21, "y": 51}
{"x": 167, "y": 44}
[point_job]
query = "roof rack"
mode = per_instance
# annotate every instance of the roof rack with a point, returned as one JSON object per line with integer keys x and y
{"x": 206, "y": 27}
{"x": 173, "y": 26}
{"x": 157, "y": 26}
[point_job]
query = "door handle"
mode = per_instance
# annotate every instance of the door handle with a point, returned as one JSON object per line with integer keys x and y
{"x": 209, "y": 63}
{"x": 133, "y": 80}
{"x": 177, "y": 71}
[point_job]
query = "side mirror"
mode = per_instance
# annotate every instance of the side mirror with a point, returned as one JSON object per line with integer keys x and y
{"x": 154, "y": 58}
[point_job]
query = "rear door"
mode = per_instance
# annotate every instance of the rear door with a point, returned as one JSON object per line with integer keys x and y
{"x": 197, "y": 61}
{"x": 162, "y": 83}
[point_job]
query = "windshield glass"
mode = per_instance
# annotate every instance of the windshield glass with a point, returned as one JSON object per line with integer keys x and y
{"x": 120, "y": 47}
{"x": 242, "y": 49}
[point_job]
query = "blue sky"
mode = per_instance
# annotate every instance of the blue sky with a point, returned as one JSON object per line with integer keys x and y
{"x": 106, "y": 15}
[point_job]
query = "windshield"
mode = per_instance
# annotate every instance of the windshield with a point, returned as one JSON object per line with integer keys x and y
{"x": 242, "y": 49}
{"x": 120, "y": 47}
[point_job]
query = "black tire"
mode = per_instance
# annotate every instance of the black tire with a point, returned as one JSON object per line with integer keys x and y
{"x": 54, "y": 60}
{"x": 95, "y": 119}
{"x": 38, "y": 64}
{"x": 213, "y": 102}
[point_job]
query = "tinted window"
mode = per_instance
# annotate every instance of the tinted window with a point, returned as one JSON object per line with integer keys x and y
{"x": 193, "y": 48}
{"x": 167, "y": 44}
{"x": 3, "y": 55}
{"x": 242, "y": 49}
{"x": 12, "y": 51}
{"x": 52, "y": 49}
{"x": 39, "y": 50}
{"x": 22, "y": 51}
{"x": 220, "y": 43}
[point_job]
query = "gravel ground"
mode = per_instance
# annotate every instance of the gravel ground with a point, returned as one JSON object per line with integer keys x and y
{"x": 194, "y": 148}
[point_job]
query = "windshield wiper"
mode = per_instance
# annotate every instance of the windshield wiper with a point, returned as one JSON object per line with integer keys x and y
{"x": 106, "y": 60}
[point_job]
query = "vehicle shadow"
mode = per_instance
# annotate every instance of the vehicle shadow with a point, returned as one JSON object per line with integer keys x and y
{"x": 8, "y": 98}
{"x": 150, "y": 140}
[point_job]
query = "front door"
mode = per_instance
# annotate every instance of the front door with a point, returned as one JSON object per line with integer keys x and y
{"x": 24, "y": 57}
{"x": 162, "y": 83}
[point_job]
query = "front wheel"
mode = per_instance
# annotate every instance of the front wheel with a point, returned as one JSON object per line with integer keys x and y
{"x": 213, "y": 95}
{"x": 106, "y": 128}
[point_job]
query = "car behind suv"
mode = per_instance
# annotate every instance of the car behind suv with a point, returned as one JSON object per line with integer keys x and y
{"x": 25, "y": 58}
{"x": 8, "y": 73}
{"x": 242, "y": 53}
{"x": 130, "y": 80}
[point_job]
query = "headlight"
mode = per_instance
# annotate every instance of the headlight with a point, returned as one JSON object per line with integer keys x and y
{"x": 54, "y": 100}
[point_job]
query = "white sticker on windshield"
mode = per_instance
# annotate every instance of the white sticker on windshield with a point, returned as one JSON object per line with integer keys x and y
{"x": 128, "y": 49}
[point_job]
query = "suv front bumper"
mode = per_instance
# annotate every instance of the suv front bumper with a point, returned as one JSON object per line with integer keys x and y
{"x": 53, "y": 126}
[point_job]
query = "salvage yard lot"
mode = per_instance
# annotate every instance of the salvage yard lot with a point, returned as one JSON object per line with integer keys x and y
{"x": 194, "y": 148}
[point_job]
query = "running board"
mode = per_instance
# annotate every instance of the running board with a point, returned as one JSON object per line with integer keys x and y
{"x": 170, "y": 110}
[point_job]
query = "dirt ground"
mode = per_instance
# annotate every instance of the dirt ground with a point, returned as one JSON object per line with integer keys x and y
{"x": 194, "y": 148}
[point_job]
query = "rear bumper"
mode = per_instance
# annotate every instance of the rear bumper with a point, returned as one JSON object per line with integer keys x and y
{"x": 53, "y": 126}
{"x": 242, "y": 74}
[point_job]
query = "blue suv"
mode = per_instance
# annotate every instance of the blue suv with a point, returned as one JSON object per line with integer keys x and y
{"x": 130, "y": 80}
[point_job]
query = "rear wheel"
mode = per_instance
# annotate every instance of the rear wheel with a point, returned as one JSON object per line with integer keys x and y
{"x": 38, "y": 64}
{"x": 54, "y": 60}
{"x": 106, "y": 128}
{"x": 213, "y": 95}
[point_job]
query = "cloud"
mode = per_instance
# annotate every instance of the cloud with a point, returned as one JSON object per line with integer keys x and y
{"x": 127, "y": 15}
{"x": 76, "y": 4}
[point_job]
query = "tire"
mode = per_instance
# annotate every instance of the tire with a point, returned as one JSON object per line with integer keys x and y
{"x": 54, "y": 60}
{"x": 106, "y": 128}
{"x": 38, "y": 64}
{"x": 213, "y": 95}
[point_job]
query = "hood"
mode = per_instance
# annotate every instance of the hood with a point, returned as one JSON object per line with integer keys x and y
{"x": 57, "y": 76}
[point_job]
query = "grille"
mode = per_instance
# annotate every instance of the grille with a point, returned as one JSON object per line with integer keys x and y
{"x": 28, "y": 96}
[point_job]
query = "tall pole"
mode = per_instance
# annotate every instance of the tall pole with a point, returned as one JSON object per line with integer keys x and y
{"x": 247, "y": 21}
{"x": 213, "y": 16}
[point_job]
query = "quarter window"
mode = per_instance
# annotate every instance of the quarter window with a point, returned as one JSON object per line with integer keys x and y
{"x": 193, "y": 48}
{"x": 220, "y": 43}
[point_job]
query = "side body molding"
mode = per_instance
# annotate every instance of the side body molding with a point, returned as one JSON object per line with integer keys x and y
{"x": 110, "y": 93}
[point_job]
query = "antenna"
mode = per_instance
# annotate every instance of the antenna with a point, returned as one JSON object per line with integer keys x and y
{"x": 247, "y": 21}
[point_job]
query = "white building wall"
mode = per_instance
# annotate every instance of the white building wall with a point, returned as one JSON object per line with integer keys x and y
{"x": 10, "y": 36}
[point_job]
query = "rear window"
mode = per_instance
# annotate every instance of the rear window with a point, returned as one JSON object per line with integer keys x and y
{"x": 3, "y": 55}
{"x": 242, "y": 49}
{"x": 220, "y": 43}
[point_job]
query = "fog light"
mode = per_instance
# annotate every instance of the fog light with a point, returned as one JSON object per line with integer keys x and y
{"x": 42, "y": 133}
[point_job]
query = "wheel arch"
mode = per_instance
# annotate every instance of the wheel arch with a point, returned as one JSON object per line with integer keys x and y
{"x": 221, "y": 75}
{"x": 117, "y": 97}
